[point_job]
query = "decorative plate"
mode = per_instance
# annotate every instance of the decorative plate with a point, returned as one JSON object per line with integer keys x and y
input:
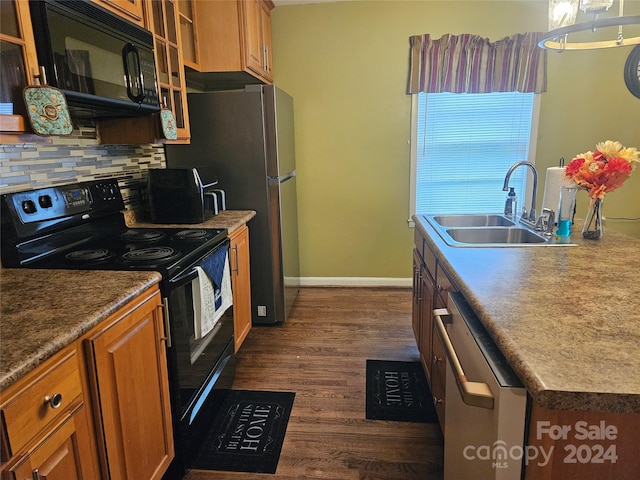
{"x": 168, "y": 124}
{"x": 47, "y": 110}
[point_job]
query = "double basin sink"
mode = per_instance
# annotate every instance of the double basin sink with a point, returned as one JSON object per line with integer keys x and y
{"x": 487, "y": 231}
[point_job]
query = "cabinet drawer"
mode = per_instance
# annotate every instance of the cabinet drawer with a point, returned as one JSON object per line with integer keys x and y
{"x": 43, "y": 400}
{"x": 418, "y": 240}
{"x": 444, "y": 285}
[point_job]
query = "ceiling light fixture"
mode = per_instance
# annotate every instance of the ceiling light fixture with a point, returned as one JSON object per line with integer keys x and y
{"x": 562, "y": 18}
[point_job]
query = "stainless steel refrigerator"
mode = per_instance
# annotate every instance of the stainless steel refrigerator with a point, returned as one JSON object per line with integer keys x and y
{"x": 245, "y": 139}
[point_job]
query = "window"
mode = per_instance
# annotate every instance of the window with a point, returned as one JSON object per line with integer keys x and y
{"x": 462, "y": 147}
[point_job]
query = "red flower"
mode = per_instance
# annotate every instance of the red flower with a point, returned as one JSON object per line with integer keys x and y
{"x": 574, "y": 166}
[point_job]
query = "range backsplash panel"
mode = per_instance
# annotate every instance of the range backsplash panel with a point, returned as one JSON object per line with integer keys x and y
{"x": 76, "y": 158}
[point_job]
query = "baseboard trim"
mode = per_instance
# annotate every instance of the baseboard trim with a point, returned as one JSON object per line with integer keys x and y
{"x": 354, "y": 282}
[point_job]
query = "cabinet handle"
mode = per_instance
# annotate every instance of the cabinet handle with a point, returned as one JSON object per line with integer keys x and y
{"x": 437, "y": 360}
{"x": 235, "y": 254}
{"x": 436, "y": 400}
{"x": 475, "y": 394}
{"x": 35, "y": 474}
{"x": 265, "y": 58}
{"x": 54, "y": 401}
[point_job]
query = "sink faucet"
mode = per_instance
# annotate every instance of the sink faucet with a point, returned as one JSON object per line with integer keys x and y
{"x": 531, "y": 216}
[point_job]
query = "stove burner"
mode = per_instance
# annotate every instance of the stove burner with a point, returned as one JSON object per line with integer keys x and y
{"x": 143, "y": 235}
{"x": 192, "y": 235}
{"x": 150, "y": 254}
{"x": 89, "y": 256}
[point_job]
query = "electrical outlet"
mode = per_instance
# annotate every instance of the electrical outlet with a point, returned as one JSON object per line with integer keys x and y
{"x": 262, "y": 311}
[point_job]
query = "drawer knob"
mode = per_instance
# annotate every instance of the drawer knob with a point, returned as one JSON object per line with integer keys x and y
{"x": 54, "y": 401}
{"x": 436, "y": 400}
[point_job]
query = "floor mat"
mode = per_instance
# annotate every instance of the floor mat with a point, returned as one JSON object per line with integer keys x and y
{"x": 398, "y": 391}
{"x": 247, "y": 434}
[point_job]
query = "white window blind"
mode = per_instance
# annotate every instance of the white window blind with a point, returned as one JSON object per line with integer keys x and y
{"x": 465, "y": 143}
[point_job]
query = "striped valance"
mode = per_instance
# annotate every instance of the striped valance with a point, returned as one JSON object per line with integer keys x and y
{"x": 471, "y": 64}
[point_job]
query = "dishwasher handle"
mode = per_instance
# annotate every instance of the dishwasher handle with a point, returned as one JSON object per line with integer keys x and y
{"x": 476, "y": 394}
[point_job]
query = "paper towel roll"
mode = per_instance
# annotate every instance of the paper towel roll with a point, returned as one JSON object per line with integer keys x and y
{"x": 554, "y": 180}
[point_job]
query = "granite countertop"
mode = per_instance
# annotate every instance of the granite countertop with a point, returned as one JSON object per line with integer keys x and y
{"x": 566, "y": 318}
{"x": 229, "y": 219}
{"x": 35, "y": 323}
{"x": 42, "y": 311}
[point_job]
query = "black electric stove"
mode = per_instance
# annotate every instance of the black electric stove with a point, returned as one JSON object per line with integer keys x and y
{"x": 81, "y": 226}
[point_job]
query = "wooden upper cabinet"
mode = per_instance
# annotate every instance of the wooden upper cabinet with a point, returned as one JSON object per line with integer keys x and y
{"x": 18, "y": 64}
{"x": 231, "y": 38}
{"x": 188, "y": 33}
{"x": 132, "y": 10}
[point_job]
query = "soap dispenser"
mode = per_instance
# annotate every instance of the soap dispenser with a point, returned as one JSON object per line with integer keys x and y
{"x": 511, "y": 204}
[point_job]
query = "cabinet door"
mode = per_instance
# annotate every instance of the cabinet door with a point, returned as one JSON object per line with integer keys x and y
{"x": 60, "y": 454}
{"x": 265, "y": 23}
{"x": 253, "y": 47}
{"x": 131, "y": 381}
{"x": 189, "y": 33}
{"x": 241, "y": 284}
{"x": 427, "y": 289}
{"x": 131, "y": 10}
{"x": 417, "y": 295}
{"x": 18, "y": 64}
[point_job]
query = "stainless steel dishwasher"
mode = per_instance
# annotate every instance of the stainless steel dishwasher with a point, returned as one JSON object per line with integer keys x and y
{"x": 485, "y": 401}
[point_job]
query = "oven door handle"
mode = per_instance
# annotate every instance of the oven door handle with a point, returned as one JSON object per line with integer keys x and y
{"x": 183, "y": 277}
{"x": 476, "y": 394}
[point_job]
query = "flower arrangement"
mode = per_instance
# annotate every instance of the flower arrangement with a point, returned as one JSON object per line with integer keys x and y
{"x": 604, "y": 170}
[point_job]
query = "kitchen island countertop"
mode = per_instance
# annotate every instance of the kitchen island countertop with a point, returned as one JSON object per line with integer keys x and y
{"x": 42, "y": 311}
{"x": 566, "y": 318}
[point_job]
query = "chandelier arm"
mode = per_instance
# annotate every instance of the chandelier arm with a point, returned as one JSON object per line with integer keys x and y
{"x": 550, "y": 40}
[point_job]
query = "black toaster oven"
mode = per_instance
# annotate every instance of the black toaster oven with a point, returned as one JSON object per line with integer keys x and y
{"x": 177, "y": 195}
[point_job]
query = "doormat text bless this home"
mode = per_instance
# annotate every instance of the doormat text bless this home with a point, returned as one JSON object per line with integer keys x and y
{"x": 398, "y": 391}
{"x": 247, "y": 433}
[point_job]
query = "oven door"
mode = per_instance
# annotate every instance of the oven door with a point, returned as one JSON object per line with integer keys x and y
{"x": 197, "y": 366}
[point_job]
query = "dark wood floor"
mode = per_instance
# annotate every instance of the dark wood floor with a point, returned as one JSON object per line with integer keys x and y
{"x": 320, "y": 354}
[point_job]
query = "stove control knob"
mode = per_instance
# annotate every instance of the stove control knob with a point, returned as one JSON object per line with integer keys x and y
{"x": 45, "y": 201}
{"x": 28, "y": 206}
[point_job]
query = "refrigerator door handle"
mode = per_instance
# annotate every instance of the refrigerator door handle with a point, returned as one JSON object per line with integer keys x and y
{"x": 283, "y": 178}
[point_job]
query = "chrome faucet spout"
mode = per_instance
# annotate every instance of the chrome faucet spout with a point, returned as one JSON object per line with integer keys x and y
{"x": 531, "y": 216}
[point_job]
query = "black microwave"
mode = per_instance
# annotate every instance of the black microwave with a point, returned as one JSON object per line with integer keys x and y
{"x": 103, "y": 63}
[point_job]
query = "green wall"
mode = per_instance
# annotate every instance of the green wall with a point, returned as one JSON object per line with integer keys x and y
{"x": 346, "y": 63}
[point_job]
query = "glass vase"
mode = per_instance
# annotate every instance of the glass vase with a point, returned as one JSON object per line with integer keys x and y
{"x": 592, "y": 229}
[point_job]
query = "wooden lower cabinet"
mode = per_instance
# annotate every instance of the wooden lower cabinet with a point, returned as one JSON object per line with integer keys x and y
{"x": 45, "y": 425}
{"x": 60, "y": 453}
{"x": 241, "y": 283}
{"x": 431, "y": 286}
{"x": 129, "y": 381}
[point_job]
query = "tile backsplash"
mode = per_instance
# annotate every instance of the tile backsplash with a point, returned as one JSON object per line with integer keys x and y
{"x": 76, "y": 158}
